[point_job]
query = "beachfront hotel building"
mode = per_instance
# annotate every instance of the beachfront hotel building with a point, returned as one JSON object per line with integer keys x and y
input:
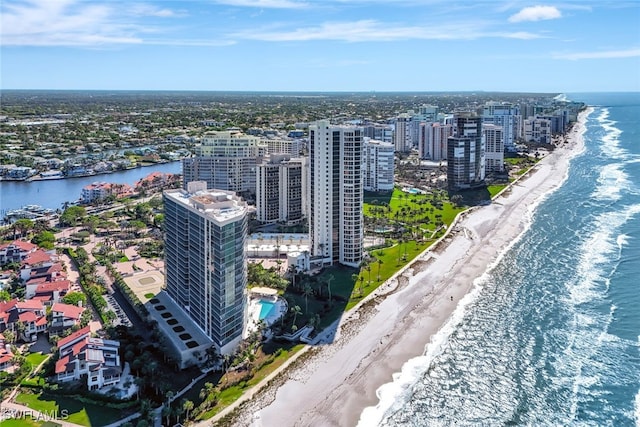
{"x": 335, "y": 180}
{"x": 378, "y": 162}
{"x": 281, "y": 189}
{"x": 465, "y": 153}
{"x": 494, "y": 148}
{"x": 205, "y": 261}
{"x": 508, "y": 117}
{"x": 225, "y": 160}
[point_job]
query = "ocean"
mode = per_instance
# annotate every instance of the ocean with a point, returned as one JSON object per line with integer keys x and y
{"x": 550, "y": 335}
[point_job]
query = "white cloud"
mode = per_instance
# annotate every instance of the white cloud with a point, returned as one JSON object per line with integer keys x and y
{"x": 371, "y": 30}
{"x": 75, "y": 23}
{"x": 267, "y": 4}
{"x": 607, "y": 54}
{"x": 145, "y": 9}
{"x": 536, "y": 13}
{"x": 523, "y": 35}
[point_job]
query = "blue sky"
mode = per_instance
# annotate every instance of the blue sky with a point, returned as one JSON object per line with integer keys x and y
{"x": 321, "y": 45}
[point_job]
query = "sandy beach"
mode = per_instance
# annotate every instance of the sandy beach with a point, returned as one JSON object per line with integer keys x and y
{"x": 337, "y": 381}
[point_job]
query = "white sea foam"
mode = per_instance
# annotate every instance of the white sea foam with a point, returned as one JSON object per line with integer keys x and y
{"x": 613, "y": 180}
{"x": 611, "y": 140}
{"x": 636, "y": 408}
{"x": 597, "y": 251}
{"x": 622, "y": 240}
{"x": 589, "y": 330}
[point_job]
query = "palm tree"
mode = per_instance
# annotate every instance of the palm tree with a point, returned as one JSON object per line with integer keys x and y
{"x": 379, "y": 262}
{"x": 292, "y": 270}
{"x": 400, "y": 241}
{"x": 208, "y": 395}
{"x": 361, "y": 288}
{"x": 330, "y": 279}
{"x": 355, "y": 277}
{"x": 307, "y": 291}
{"x": 166, "y": 411}
{"x": 296, "y": 310}
{"x": 187, "y": 406}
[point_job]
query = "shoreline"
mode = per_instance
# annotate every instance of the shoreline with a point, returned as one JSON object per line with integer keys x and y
{"x": 378, "y": 345}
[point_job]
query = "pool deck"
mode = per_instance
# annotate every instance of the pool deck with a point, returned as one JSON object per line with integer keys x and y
{"x": 280, "y": 309}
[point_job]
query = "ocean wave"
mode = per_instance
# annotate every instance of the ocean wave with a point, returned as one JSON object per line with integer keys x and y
{"x": 610, "y": 145}
{"x": 393, "y": 395}
{"x": 613, "y": 180}
{"x": 596, "y": 252}
{"x": 592, "y": 353}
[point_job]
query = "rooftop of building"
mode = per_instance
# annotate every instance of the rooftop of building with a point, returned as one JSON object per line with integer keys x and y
{"x": 217, "y": 204}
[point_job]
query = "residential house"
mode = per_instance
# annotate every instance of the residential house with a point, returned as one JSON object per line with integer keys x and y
{"x": 36, "y": 260}
{"x": 15, "y": 251}
{"x": 31, "y": 314}
{"x": 81, "y": 354}
{"x": 65, "y": 315}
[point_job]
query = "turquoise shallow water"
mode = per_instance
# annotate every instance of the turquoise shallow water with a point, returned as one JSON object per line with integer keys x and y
{"x": 552, "y": 337}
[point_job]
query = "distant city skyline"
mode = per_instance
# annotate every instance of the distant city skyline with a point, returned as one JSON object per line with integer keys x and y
{"x": 328, "y": 45}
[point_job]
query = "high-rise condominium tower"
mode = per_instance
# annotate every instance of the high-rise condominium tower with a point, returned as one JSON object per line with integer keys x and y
{"x": 465, "y": 153}
{"x": 281, "y": 193}
{"x": 507, "y": 116}
{"x": 377, "y": 165}
{"x": 494, "y": 147}
{"x": 335, "y": 224}
{"x": 225, "y": 160}
{"x": 401, "y": 133}
{"x": 205, "y": 263}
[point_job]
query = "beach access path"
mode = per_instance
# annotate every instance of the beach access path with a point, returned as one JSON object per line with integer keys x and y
{"x": 333, "y": 385}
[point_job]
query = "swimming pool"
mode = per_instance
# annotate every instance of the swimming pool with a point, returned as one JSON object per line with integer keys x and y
{"x": 266, "y": 307}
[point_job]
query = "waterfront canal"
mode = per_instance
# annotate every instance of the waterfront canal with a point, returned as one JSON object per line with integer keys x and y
{"x": 52, "y": 194}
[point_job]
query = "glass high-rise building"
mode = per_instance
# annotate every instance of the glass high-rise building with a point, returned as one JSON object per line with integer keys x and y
{"x": 205, "y": 261}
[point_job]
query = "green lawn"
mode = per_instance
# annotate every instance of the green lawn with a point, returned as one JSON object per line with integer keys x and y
{"x": 35, "y": 359}
{"x": 423, "y": 210}
{"x": 87, "y": 414}
{"x": 495, "y": 189}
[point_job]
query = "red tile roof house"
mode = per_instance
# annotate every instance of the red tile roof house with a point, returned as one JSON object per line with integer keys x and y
{"x": 15, "y": 251}
{"x": 97, "y": 358}
{"x": 5, "y": 313}
{"x": 47, "y": 292}
{"x": 32, "y": 315}
{"x": 65, "y": 316}
{"x": 36, "y": 260}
